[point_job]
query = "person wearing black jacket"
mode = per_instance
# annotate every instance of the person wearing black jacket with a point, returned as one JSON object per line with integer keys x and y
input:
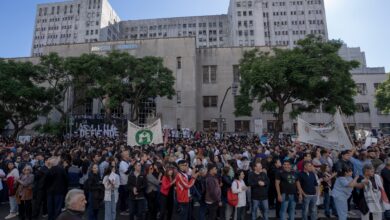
{"x": 259, "y": 183}
{"x": 93, "y": 185}
{"x": 57, "y": 186}
{"x": 272, "y": 195}
{"x": 39, "y": 189}
{"x": 137, "y": 184}
{"x": 226, "y": 184}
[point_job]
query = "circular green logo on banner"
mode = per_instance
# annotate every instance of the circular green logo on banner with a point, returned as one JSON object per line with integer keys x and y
{"x": 143, "y": 137}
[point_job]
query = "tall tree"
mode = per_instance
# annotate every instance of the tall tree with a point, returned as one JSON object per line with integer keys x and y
{"x": 120, "y": 77}
{"x": 312, "y": 73}
{"x": 382, "y": 97}
{"x": 53, "y": 74}
{"x": 21, "y": 99}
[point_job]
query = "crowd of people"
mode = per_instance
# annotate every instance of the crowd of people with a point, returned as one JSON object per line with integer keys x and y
{"x": 202, "y": 177}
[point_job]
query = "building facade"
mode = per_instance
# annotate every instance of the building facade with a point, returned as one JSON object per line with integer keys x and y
{"x": 247, "y": 23}
{"x": 208, "y": 49}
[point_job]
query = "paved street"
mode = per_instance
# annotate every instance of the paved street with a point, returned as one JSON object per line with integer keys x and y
{"x": 4, "y": 209}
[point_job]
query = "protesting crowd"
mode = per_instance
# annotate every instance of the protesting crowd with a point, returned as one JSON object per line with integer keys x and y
{"x": 198, "y": 177}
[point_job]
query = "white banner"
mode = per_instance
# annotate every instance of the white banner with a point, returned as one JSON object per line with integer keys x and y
{"x": 332, "y": 135}
{"x": 151, "y": 134}
{"x": 258, "y": 127}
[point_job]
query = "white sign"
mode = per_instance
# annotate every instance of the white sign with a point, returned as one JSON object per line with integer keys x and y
{"x": 99, "y": 130}
{"x": 369, "y": 141}
{"x": 24, "y": 139}
{"x": 137, "y": 136}
{"x": 258, "y": 127}
{"x": 332, "y": 136}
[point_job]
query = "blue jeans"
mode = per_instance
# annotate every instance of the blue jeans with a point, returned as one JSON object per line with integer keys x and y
{"x": 309, "y": 206}
{"x": 13, "y": 205}
{"x": 110, "y": 208}
{"x": 288, "y": 201}
{"x": 329, "y": 204}
{"x": 341, "y": 207}
{"x": 263, "y": 206}
{"x": 181, "y": 210}
{"x": 137, "y": 208}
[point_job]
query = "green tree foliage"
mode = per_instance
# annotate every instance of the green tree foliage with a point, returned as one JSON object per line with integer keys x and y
{"x": 312, "y": 73}
{"x": 21, "y": 99}
{"x": 382, "y": 97}
{"x": 120, "y": 77}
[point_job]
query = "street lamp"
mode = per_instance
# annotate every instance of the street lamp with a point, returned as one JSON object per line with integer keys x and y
{"x": 221, "y": 120}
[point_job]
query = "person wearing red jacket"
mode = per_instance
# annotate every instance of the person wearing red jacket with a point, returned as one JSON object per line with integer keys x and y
{"x": 166, "y": 194}
{"x": 183, "y": 183}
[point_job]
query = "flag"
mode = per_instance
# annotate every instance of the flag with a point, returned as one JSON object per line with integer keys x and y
{"x": 150, "y": 134}
{"x": 331, "y": 136}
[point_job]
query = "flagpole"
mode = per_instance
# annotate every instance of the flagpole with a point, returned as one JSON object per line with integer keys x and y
{"x": 346, "y": 125}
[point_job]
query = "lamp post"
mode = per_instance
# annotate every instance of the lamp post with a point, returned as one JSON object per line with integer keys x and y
{"x": 234, "y": 87}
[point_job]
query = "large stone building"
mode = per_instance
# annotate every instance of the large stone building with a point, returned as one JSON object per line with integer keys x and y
{"x": 247, "y": 23}
{"x": 203, "y": 52}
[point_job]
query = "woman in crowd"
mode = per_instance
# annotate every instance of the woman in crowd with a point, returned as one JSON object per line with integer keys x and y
{"x": 111, "y": 185}
{"x": 166, "y": 194}
{"x": 24, "y": 193}
{"x": 12, "y": 178}
{"x": 239, "y": 187}
{"x": 342, "y": 190}
{"x": 226, "y": 184}
{"x": 94, "y": 187}
{"x": 152, "y": 190}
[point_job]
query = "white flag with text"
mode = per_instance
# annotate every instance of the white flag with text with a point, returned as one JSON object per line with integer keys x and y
{"x": 150, "y": 134}
{"x": 331, "y": 136}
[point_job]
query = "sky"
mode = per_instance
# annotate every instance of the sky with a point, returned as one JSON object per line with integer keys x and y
{"x": 358, "y": 23}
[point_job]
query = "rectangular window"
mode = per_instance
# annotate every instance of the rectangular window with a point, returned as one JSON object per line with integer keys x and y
{"x": 65, "y": 9}
{"x": 88, "y": 106}
{"x": 376, "y": 86}
{"x": 209, "y": 74}
{"x": 52, "y": 10}
{"x": 87, "y": 32}
{"x": 71, "y": 9}
{"x": 236, "y": 73}
{"x": 241, "y": 126}
{"x": 45, "y": 11}
{"x": 210, "y": 101}
{"x": 362, "y": 107}
{"x": 271, "y": 125}
{"x": 178, "y": 62}
{"x": 178, "y": 96}
{"x": 40, "y": 11}
{"x": 58, "y": 9}
{"x": 96, "y": 31}
{"x": 361, "y": 88}
{"x": 210, "y": 125}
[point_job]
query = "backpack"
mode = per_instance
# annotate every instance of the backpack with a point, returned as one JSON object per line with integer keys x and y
{"x": 232, "y": 198}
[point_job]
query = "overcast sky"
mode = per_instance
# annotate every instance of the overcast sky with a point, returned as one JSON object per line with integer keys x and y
{"x": 359, "y": 23}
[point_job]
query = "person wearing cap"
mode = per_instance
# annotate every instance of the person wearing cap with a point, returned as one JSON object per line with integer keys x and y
{"x": 213, "y": 192}
{"x": 183, "y": 183}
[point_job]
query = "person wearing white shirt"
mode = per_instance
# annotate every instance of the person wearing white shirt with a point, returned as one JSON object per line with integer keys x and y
{"x": 239, "y": 187}
{"x": 123, "y": 174}
{"x": 111, "y": 183}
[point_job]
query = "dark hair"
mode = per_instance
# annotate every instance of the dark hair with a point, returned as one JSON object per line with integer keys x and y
{"x": 344, "y": 171}
{"x": 225, "y": 170}
{"x": 238, "y": 173}
{"x": 107, "y": 171}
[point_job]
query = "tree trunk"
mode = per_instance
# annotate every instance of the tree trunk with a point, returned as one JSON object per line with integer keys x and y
{"x": 279, "y": 122}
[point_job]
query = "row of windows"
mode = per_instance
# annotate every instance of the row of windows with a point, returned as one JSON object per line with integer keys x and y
{"x": 317, "y": 31}
{"x": 244, "y": 13}
{"x": 44, "y": 11}
{"x": 239, "y": 125}
{"x": 90, "y": 32}
{"x": 282, "y": 43}
{"x": 244, "y": 4}
{"x": 246, "y": 33}
{"x": 174, "y": 26}
{"x": 38, "y": 45}
{"x": 314, "y": 2}
{"x": 301, "y": 32}
{"x": 209, "y": 73}
{"x": 318, "y": 22}
{"x": 54, "y": 28}
{"x": 313, "y": 12}
{"x": 245, "y": 23}
{"x": 242, "y": 43}
{"x": 39, "y": 37}
{"x": 65, "y": 27}
{"x": 95, "y": 4}
{"x": 66, "y": 35}
{"x": 41, "y": 29}
{"x": 52, "y": 36}
{"x": 361, "y": 88}
{"x": 68, "y": 18}
{"x": 278, "y": 3}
